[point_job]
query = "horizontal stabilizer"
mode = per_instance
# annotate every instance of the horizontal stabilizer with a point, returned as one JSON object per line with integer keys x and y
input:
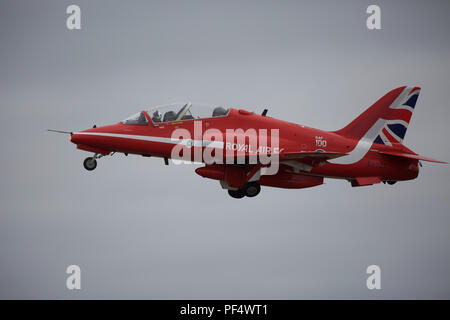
{"x": 409, "y": 156}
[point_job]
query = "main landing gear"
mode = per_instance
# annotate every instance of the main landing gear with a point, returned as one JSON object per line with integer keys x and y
{"x": 250, "y": 189}
{"x": 90, "y": 163}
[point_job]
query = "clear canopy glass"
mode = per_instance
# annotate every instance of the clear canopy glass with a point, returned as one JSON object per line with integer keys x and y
{"x": 185, "y": 111}
{"x": 137, "y": 118}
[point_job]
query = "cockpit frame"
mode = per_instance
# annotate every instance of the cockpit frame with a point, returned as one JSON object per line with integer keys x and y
{"x": 185, "y": 113}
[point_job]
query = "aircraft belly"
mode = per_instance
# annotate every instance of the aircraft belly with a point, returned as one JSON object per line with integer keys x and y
{"x": 370, "y": 167}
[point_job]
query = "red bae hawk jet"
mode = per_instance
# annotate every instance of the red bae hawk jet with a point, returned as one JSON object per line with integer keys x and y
{"x": 245, "y": 151}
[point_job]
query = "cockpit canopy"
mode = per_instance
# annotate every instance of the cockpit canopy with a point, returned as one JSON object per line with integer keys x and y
{"x": 137, "y": 118}
{"x": 185, "y": 111}
{"x": 178, "y": 112}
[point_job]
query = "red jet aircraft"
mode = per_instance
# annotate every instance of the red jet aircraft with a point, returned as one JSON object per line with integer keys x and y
{"x": 367, "y": 151}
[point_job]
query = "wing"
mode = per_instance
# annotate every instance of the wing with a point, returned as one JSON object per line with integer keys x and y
{"x": 321, "y": 155}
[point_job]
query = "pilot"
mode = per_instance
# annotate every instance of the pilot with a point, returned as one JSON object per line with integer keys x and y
{"x": 157, "y": 116}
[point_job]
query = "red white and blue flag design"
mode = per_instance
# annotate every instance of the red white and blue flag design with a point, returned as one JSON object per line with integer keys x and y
{"x": 398, "y": 118}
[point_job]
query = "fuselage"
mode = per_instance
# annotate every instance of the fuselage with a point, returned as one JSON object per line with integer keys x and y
{"x": 155, "y": 139}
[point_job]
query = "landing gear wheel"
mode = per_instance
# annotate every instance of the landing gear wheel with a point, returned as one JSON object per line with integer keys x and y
{"x": 251, "y": 189}
{"x": 237, "y": 194}
{"x": 90, "y": 163}
{"x": 391, "y": 182}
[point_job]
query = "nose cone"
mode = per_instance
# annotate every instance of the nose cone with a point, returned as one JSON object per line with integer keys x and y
{"x": 83, "y": 137}
{"x": 91, "y": 140}
{"x": 75, "y": 138}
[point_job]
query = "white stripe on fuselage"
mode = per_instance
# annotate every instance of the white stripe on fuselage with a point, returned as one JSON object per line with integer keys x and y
{"x": 363, "y": 145}
{"x": 187, "y": 142}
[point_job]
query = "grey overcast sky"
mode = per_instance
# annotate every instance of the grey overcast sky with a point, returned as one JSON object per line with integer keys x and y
{"x": 139, "y": 229}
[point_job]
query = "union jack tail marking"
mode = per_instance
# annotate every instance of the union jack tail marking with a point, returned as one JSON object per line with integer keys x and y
{"x": 397, "y": 121}
{"x": 393, "y": 112}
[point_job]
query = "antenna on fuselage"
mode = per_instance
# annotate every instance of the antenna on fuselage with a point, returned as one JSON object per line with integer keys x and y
{"x": 264, "y": 112}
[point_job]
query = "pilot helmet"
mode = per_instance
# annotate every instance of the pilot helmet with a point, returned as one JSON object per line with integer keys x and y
{"x": 157, "y": 115}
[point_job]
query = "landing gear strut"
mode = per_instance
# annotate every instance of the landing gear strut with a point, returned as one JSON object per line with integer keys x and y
{"x": 90, "y": 163}
{"x": 250, "y": 189}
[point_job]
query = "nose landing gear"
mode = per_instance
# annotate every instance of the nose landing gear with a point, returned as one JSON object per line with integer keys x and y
{"x": 250, "y": 189}
{"x": 90, "y": 163}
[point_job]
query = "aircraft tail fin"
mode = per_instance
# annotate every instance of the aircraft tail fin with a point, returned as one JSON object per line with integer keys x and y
{"x": 393, "y": 111}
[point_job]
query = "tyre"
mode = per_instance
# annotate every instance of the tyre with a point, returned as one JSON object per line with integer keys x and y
{"x": 251, "y": 189}
{"x": 90, "y": 163}
{"x": 237, "y": 194}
